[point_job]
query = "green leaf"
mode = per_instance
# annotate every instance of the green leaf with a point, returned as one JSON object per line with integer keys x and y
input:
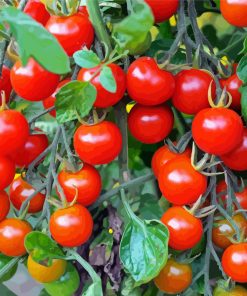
{"x": 74, "y": 99}
{"x": 35, "y": 41}
{"x": 244, "y": 102}
{"x": 144, "y": 249}
{"x": 149, "y": 207}
{"x": 107, "y": 79}
{"x": 42, "y": 247}
{"x": 133, "y": 30}
{"x": 94, "y": 289}
{"x": 5, "y": 291}
{"x": 242, "y": 69}
{"x": 244, "y": 50}
{"x": 86, "y": 59}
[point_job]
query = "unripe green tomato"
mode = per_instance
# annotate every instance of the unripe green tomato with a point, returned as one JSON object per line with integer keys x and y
{"x": 66, "y": 285}
{"x": 138, "y": 49}
{"x": 9, "y": 274}
{"x": 236, "y": 291}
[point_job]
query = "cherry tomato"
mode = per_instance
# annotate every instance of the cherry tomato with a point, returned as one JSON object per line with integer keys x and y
{"x": 236, "y": 291}
{"x": 4, "y": 260}
{"x": 234, "y": 262}
{"x": 5, "y": 84}
{"x": 66, "y": 285}
{"x": 86, "y": 182}
{"x": 240, "y": 196}
{"x": 14, "y": 131}
{"x": 50, "y": 101}
{"x": 150, "y": 124}
{"x": 72, "y": 32}
{"x": 185, "y": 229}
{"x": 217, "y": 130}
{"x": 191, "y": 91}
{"x": 83, "y": 9}
{"x": 147, "y": 84}
{"x": 46, "y": 274}
{"x": 232, "y": 85}
{"x": 33, "y": 147}
{"x": 7, "y": 172}
{"x": 71, "y": 227}
{"x": 32, "y": 82}
{"x": 4, "y": 205}
{"x": 20, "y": 190}
{"x": 163, "y": 10}
{"x": 237, "y": 158}
{"x": 174, "y": 278}
{"x": 180, "y": 183}
{"x": 105, "y": 98}
{"x": 234, "y": 11}
{"x": 224, "y": 230}
{"x": 12, "y": 235}
{"x": 98, "y": 144}
{"x": 37, "y": 11}
{"x": 163, "y": 155}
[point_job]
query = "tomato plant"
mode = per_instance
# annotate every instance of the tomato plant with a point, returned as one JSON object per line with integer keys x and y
{"x": 7, "y": 172}
{"x": 162, "y": 10}
{"x": 234, "y": 12}
{"x": 5, "y": 205}
{"x": 37, "y": 11}
{"x": 5, "y": 84}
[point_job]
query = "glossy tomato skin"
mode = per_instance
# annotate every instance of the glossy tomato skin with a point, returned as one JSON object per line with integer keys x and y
{"x": 5, "y": 83}
{"x": 14, "y": 131}
{"x": 4, "y": 205}
{"x": 236, "y": 291}
{"x": 191, "y": 91}
{"x": 163, "y": 155}
{"x": 33, "y": 147}
{"x": 98, "y": 144}
{"x": 50, "y": 101}
{"x": 234, "y": 262}
{"x": 180, "y": 183}
{"x": 87, "y": 181}
{"x": 105, "y": 98}
{"x": 217, "y": 130}
{"x": 147, "y": 84}
{"x": 37, "y": 11}
{"x": 234, "y": 12}
{"x": 32, "y": 82}
{"x": 20, "y": 190}
{"x": 232, "y": 85}
{"x": 174, "y": 278}
{"x": 237, "y": 158}
{"x": 7, "y": 172}
{"x": 185, "y": 229}
{"x": 72, "y": 32}
{"x": 12, "y": 235}
{"x": 150, "y": 124}
{"x": 224, "y": 230}
{"x": 163, "y": 10}
{"x": 71, "y": 227}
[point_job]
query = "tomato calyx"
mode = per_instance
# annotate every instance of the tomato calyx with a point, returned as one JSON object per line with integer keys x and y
{"x": 95, "y": 116}
{"x": 4, "y": 105}
{"x": 197, "y": 211}
{"x": 224, "y": 101}
{"x": 67, "y": 9}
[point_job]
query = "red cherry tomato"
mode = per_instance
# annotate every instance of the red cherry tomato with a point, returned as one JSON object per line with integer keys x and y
{"x": 234, "y": 262}
{"x": 4, "y": 205}
{"x": 5, "y": 84}
{"x": 163, "y": 10}
{"x": 14, "y": 131}
{"x": 83, "y": 9}
{"x": 33, "y": 147}
{"x": 147, "y": 84}
{"x": 71, "y": 227}
{"x": 12, "y": 235}
{"x": 180, "y": 183}
{"x": 50, "y": 101}
{"x": 191, "y": 91}
{"x": 32, "y": 82}
{"x": 105, "y": 98}
{"x": 150, "y": 124}
{"x": 37, "y": 11}
{"x": 240, "y": 196}
{"x": 7, "y": 172}
{"x": 86, "y": 181}
{"x": 185, "y": 229}
{"x": 73, "y": 32}
{"x": 20, "y": 190}
{"x": 217, "y": 130}
{"x": 163, "y": 155}
{"x": 234, "y": 11}
{"x": 237, "y": 158}
{"x": 232, "y": 85}
{"x": 98, "y": 144}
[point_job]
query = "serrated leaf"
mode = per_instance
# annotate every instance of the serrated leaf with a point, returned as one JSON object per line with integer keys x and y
{"x": 242, "y": 69}
{"x": 74, "y": 99}
{"x": 107, "y": 79}
{"x": 244, "y": 102}
{"x": 35, "y": 41}
{"x": 86, "y": 59}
